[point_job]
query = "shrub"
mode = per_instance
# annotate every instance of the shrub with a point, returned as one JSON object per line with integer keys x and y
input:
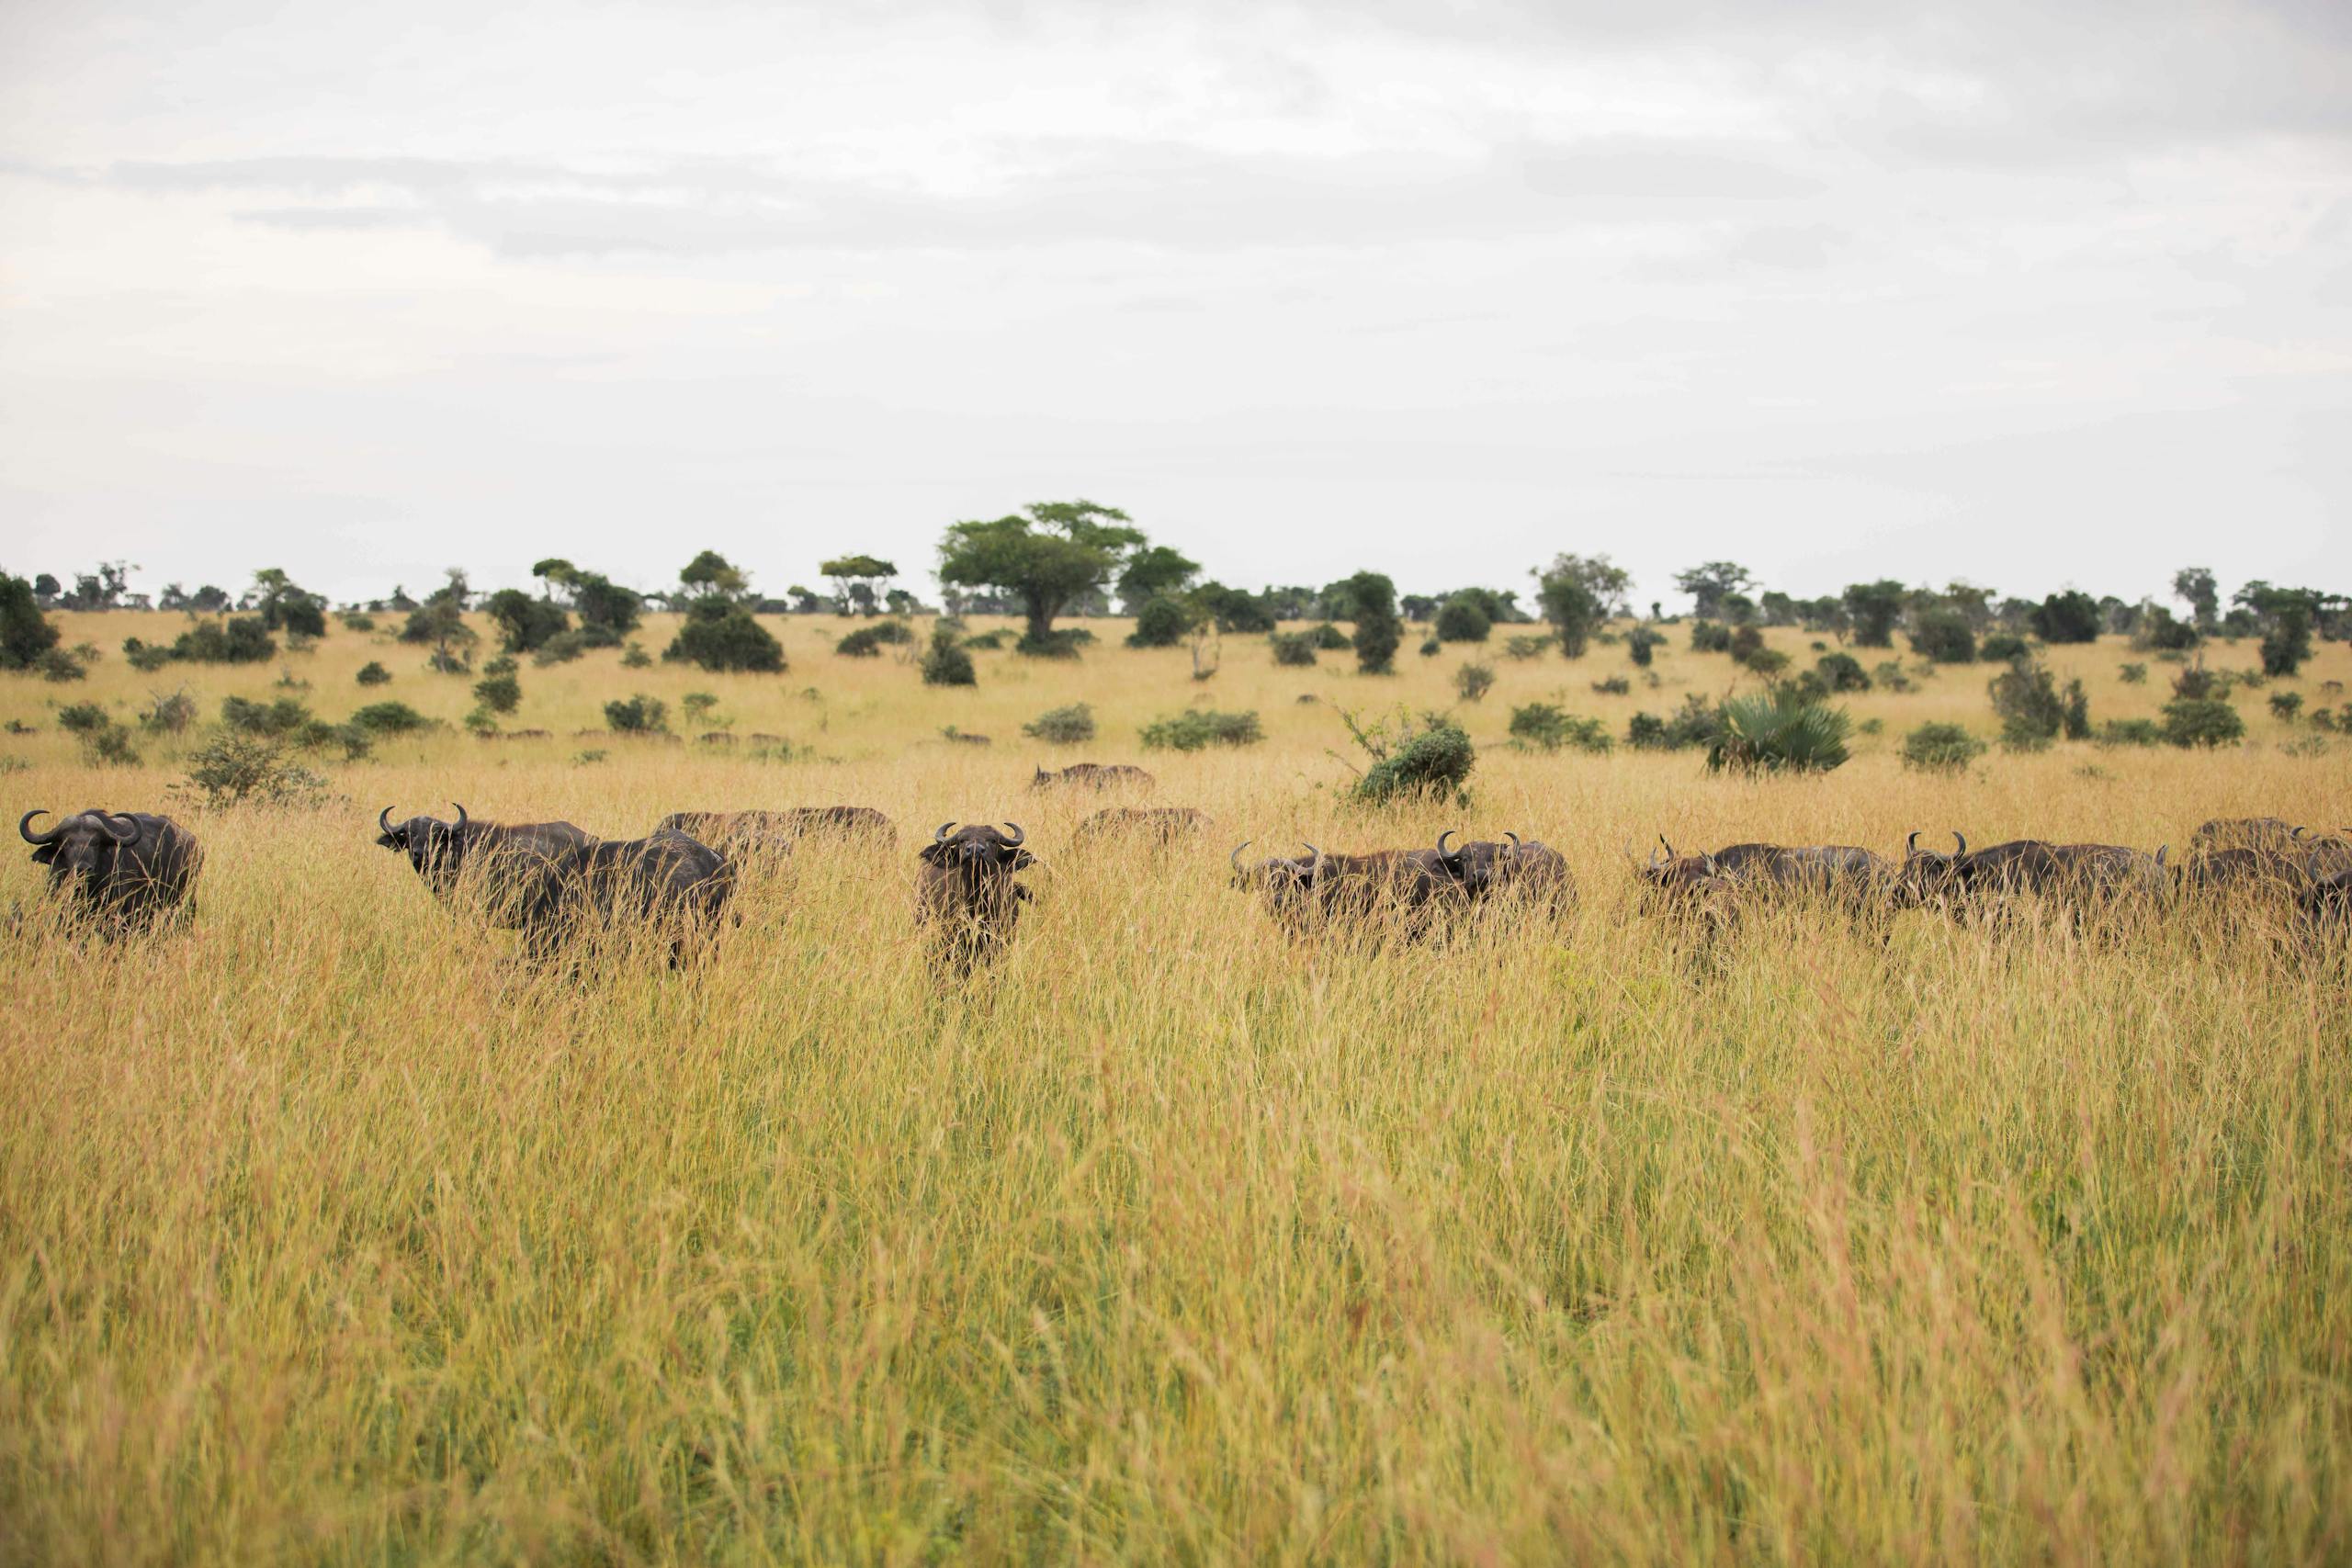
{"x": 1063, "y": 726}
{"x": 1640, "y": 644}
{"x": 1767, "y": 662}
{"x": 61, "y": 665}
{"x": 986, "y": 642}
{"x": 145, "y": 657}
{"x": 2289, "y": 641}
{"x": 564, "y": 648}
{"x": 283, "y": 717}
{"x": 1328, "y": 637}
{"x": 1780, "y": 732}
{"x": 1461, "y": 619}
{"x": 945, "y": 663}
{"x": 234, "y": 769}
{"x": 374, "y": 674}
{"x": 1940, "y": 747}
{"x": 168, "y": 713}
{"x": 317, "y": 735}
{"x": 389, "y": 718}
{"x": 2129, "y": 732}
{"x": 1545, "y": 726}
{"x": 2004, "y": 648}
{"x": 2031, "y": 711}
{"x": 1292, "y": 647}
{"x": 1198, "y": 728}
{"x": 1473, "y": 681}
{"x": 2197, "y": 683}
{"x": 1706, "y": 637}
{"x": 1747, "y": 642}
{"x": 721, "y": 635}
{"x": 1841, "y": 672}
{"x": 1432, "y": 648}
{"x": 1693, "y": 723}
{"x": 2133, "y": 674}
{"x": 25, "y": 632}
{"x": 1646, "y": 731}
{"x": 82, "y": 718}
{"x": 1612, "y": 687}
{"x": 1944, "y": 637}
{"x": 1890, "y": 673}
{"x": 1432, "y": 758}
{"x": 2158, "y": 630}
{"x": 524, "y": 621}
{"x": 499, "y": 693}
{"x": 2203, "y": 721}
{"x": 2076, "y": 714}
{"x": 1165, "y": 621}
{"x": 642, "y": 715}
{"x": 860, "y": 644}
{"x": 2285, "y": 704}
{"x": 2072, "y": 617}
{"x": 110, "y": 746}
{"x": 449, "y": 660}
{"x": 357, "y": 621}
{"x": 633, "y": 658}
{"x": 1528, "y": 646}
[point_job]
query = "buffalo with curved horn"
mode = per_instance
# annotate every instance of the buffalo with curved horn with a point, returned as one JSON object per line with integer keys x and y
{"x": 1524, "y": 870}
{"x": 126, "y": 870}
{"x": 964, "y": 889}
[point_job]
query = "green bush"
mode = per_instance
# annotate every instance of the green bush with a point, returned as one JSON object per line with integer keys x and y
{"x": 1198, "y": 728}
{"x": 1062, "y": 726}
{"x": 1641, "y": 643}
{"x": 2132, "y": 674}
{"x": 2289, "y": 641}
{"x": 242, "y": 639}
{"x": 633, "y": 656}
{"x": 2031, "y": 711}
{"x": 145, "y": 657}
{"x": 389, "y": 718}
{"x": 1944, "y": 637}
{"x": 986, "y": 642}
{"x": 1545, "y": 726}
{"x": 723, "y": 636}
{"x": 1292, "y": 647}
{"x": 1940, "y": 747}
{"x": 1778, "y": 732}
{"x": 1841, "y": 672}
{"x": 110, "y": 746}
{"x": 374, "y": 674}
{"x": 1165, "y": 621}
{"x": 642, "y": 715}
{"x": 283, "y": 717}
{"x": 2004, "y": 648}
{"x": 860, "y": 644}
{"x": 25, "y": 632}
{"x": 1462, "y": 619}
{"x": 524, "y": 621}
{"x": 1528, "y": 646}
{"x": 1612, "y": 687}
{"x": 499, "y": 693}
{"x": 1706, "y": 637}
{"x": 562, "y": 648}
{"x": 1768, "y": 662}
{"x": 1431, "y": 759}
{"x": 2203, "y": 721}
{"x": 2285, "y": 704}
{"x": 1693, "y": 723}
{"x": 233, "y": 769}
{"x": 2129, "y": 732}
{"x": 168, "y": 713}
{"x": 82, "y": 718}
{"x": 945, "y": 663}
{"x": 60, "y": 664}
{"x": 1328, "y": 637}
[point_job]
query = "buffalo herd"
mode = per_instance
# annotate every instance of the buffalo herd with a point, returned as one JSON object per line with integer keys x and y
{"x": 126, "y": 872}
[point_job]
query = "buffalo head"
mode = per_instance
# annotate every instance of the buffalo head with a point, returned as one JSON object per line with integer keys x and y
{"x": 437, "y": 849}
{"x": 979, "y": 850}
{"x": 80, "y": 846}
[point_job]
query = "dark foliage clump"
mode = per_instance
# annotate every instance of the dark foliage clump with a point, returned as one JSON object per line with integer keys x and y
{"x": 722, "y": 636}
{"x": 1198, "y": 727}
{"x": 945, "y": 663}
{"x": 1430, "y": 758}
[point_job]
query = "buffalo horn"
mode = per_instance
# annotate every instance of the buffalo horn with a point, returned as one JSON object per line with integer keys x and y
{"x": 1961, "y": 839}
{"x": 384, "y": 821}
{"x": 2298, "y": 834}
{"x": 24, "y": 830}
{"x": 1015, "y": 841}
{"x": 1234, "y": 860}
{"x": 462, "y": 814}
{"x": 106, "y": 821}
{"x": 1669, "y": 848}
{"x": 941, "y": 836}
{"x": 2160, "y": 852}
{"x": 1442, "y": 852}
{"x": 1658, "y": 858}
{"x": 1911, "y": 844}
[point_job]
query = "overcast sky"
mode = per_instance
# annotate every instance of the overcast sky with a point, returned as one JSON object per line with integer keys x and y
{"x": 2035, "y": 294}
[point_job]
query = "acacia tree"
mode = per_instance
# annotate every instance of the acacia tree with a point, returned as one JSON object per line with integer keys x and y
{"x": 1874, "y": 607}
{"x": 1577, "y": 594}
{"x": 858, "y": 581}
{"x": 712, "y": 576}
{"x": 1045, "y": 556}
{"x": 1152, "y": 570}
{"x": 2194, "y": 586}
{"x": 555, "y": 575}
{"x": 1710, "y": 582}
{"x": 287, "y": 607}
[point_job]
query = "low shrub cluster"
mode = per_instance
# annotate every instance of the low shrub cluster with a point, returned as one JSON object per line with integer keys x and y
{"x": 1196, "y": 728}
{"x": 1063, "y": 726}
{"x": 1546, "y": 727}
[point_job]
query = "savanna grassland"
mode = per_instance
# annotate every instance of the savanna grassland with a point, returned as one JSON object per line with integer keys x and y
{"x": 331, "y": 1233}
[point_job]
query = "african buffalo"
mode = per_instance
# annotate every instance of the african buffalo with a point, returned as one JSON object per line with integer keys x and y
{"x": 1099, "y": 775}
{"x": 1526, "y": 871}
{"x": 777, "y": 829}
{"x": 2244, "y": 832}
{"x": 545, "y": 878}
{"x": 2077, "y": 875}
{"x": 1162, "y": 824}
{"x": 966, "y": 888}
{"x": 129, "y": 869}
{"x": 1407, "y": 887}
{"x": 1684, "y": 886}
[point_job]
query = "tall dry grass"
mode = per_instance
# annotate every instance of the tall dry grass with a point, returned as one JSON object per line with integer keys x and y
{"x": 330, "y": 1233}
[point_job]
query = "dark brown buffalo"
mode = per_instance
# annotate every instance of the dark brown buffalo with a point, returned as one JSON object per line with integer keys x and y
{"x": 2079, "y": 874}
{"x": 1525, "y": 871}
{"x": 1162, "y": 824}
{"x": 2241, "y": 870}
{"x": 778, "y": 829}
{"x": 2325, "y": 903}
{"x": 1403, "y": 887}
{"x": 126, "y": 870}
{"x": 966, "y": 890}
{"x": 2244, "y": 832}
{"x": 1097, "y": 776}
{"x": 545, "y": 878}
{"x": 1681, "y": 885}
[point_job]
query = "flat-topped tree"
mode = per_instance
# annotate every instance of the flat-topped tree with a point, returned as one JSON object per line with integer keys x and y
{"x": 1046, "y": 557}
{"x": 1710, "y": 582}
{"x": 555, "y": 575}
{"x": 712, "y": 576}
{"x": 1578, "y": 594}
{"x": 1152, "y": 570}
{"x": 858, "y": 581}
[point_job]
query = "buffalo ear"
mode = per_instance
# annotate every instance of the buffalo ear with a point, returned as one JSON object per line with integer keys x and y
{"x": 1023, "y": 859}
{"x": 45, "y": 855}
{"x": 933, "y": 853}
{"x": 389, "y": 841}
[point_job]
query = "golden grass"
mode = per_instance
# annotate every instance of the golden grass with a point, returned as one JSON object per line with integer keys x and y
{"x": 328, "y": 1232}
